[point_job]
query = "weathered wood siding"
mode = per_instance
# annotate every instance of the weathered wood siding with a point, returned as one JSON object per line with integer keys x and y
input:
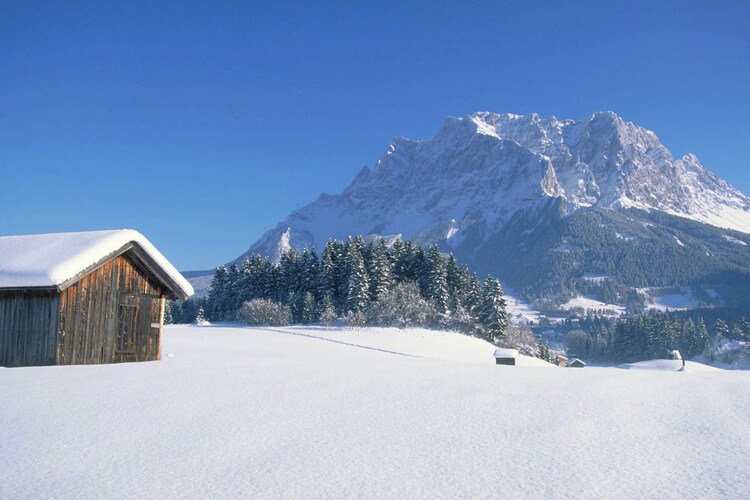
{"x": 28, "y": 328}
{"x": 111, "y": 315}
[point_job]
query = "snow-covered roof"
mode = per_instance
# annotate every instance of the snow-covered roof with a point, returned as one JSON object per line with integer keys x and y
{"x": 506, "y": 353}
{"x": 576, "y": 360}
{"x": 58, "y": 260}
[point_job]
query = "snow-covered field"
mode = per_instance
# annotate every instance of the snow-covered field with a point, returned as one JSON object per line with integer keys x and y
{"x": 591, "y": 305}
{"x": 669, "y": 299}
{"x": 310, "y": 412}
{"x": 519, "y": 312}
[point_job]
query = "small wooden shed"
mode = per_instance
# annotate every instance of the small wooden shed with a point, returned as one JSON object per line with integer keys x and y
{"x": 83, "y": 298}
{"x": 576, "y": 363}
{"x": 506, "y": 356}
{"x": 561, "y": 360}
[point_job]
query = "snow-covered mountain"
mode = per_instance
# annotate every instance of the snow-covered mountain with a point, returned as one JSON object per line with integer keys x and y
{"x": 487, "y": 180}
{"x": 479, "y": 170}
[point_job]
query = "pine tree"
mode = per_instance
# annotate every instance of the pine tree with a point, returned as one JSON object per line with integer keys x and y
{"x": 473, "y": 298}
{"x": 168, "y": 318}
{"x": 492, "y": 314}
{"x": 310, "y": 280}
{"x": 458, "y": 280}
{"x": 358, "y": 290}
{"x": 276, "y": 285}
{"x": 332, "y": 272}
{"x": 745, "y": 329}
{"x": 309, "y": 311}
{"x": 702, "y": 341}
{"x": 409, "y": 263}
{"x": 436, "y": 279}
{"x": 233, "y": 292}
{"x": 200, "y": 317}
{"x": 688, "y": 341}
{"x": 217, "y": 296}
{"x": 544, "y": 352}
{"x": 327, "y": 311}
{"x": 176, "y": 311}
{"x": 721, "y": 330}
{"x": 252, "y": 282}
{"x": 398, "y": 252}
{"x": 381, "y": 276}
{"x": 289, "y": 273}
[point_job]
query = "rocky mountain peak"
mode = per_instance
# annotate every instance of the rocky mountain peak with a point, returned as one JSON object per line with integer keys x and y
{"x": 468, "y": 181}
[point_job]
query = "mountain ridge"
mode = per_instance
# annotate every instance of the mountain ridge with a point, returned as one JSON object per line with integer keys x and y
{"x": 601, "y": 160}
{"x": 490, "y": 184}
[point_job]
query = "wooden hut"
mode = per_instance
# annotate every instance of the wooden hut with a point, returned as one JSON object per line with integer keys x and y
{"x": 83, "y": 298}
{"x": 506, "y": 356}
{"x": 561, "y": 360}
{"x": 576, "y": 363}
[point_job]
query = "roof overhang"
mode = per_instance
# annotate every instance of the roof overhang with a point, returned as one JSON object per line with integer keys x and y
{"x": 172, "y": 289}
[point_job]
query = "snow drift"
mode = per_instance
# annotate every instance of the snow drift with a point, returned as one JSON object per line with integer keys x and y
{"x": 311, "y": 412}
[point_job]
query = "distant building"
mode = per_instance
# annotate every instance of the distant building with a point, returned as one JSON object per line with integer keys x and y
{"x": 83, "y": 298}
{"x": 576, "y": 363}
{"x": 506, "y": 356}
{"x": 561, "y": 360}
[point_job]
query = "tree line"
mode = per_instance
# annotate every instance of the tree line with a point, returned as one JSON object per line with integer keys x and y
{"x": 358, "y": 281}
{"x": 650, "y": 335}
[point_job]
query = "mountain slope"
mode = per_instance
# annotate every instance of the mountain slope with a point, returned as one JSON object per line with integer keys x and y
{"x": 500, "y": 189}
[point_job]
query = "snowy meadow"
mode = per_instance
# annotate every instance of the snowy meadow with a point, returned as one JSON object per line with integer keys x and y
{"x": 331, "y": 412}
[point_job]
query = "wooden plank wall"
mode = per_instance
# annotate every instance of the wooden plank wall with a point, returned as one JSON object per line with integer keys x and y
{"x": 90, "y": 315}
{"x": 28, "y": 328}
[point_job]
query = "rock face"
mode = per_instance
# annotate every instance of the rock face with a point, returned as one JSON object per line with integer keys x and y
{"x": 481, "y": 169}
{"x": 489, "y": 179}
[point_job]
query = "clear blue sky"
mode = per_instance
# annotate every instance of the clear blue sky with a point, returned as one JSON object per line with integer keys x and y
{"x": 201, "y": 124}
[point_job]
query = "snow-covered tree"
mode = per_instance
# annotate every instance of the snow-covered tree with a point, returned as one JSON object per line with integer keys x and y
{"x": 436, "y": 279}
{"x": 520, "y": 337}
{"x": 332, "y": 272}
{"x": 578, "y": 343}
{"x": 721, "y": 330}
{"x": 544, "y": 351}
{"x": 402, "y": 306}
{"x": 355, "y": 319}
{"x": 458, "y": 280}
{"x": 358, "y": 290}
{"x": 218, "y": 295}
{"x": 327, "y": 311}
{"x": 309, "y": 309}
{"x": 168, "y": 318}
{"x": 310, "y": 279}
{"x": 492, "y": 315}
{"x": 264, "y": 312}
{"x": 381, "y": 276}
{"x": 200, "y": 317}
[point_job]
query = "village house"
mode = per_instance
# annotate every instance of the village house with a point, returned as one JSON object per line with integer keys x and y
{"x": 83, "y": 298}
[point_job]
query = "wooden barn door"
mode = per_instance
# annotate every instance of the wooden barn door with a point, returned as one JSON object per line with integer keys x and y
{"x": 149, "y": 328}
{"x": 127, "y": 327}
{"x": 138, "y": 328}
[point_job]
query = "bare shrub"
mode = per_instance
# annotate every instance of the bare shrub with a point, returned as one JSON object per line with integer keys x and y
{"x": 355, "y": 319}
{"x": 262, "y": 312}
{"x": 520, "y": 337}
{"x": 402, "y": 306}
